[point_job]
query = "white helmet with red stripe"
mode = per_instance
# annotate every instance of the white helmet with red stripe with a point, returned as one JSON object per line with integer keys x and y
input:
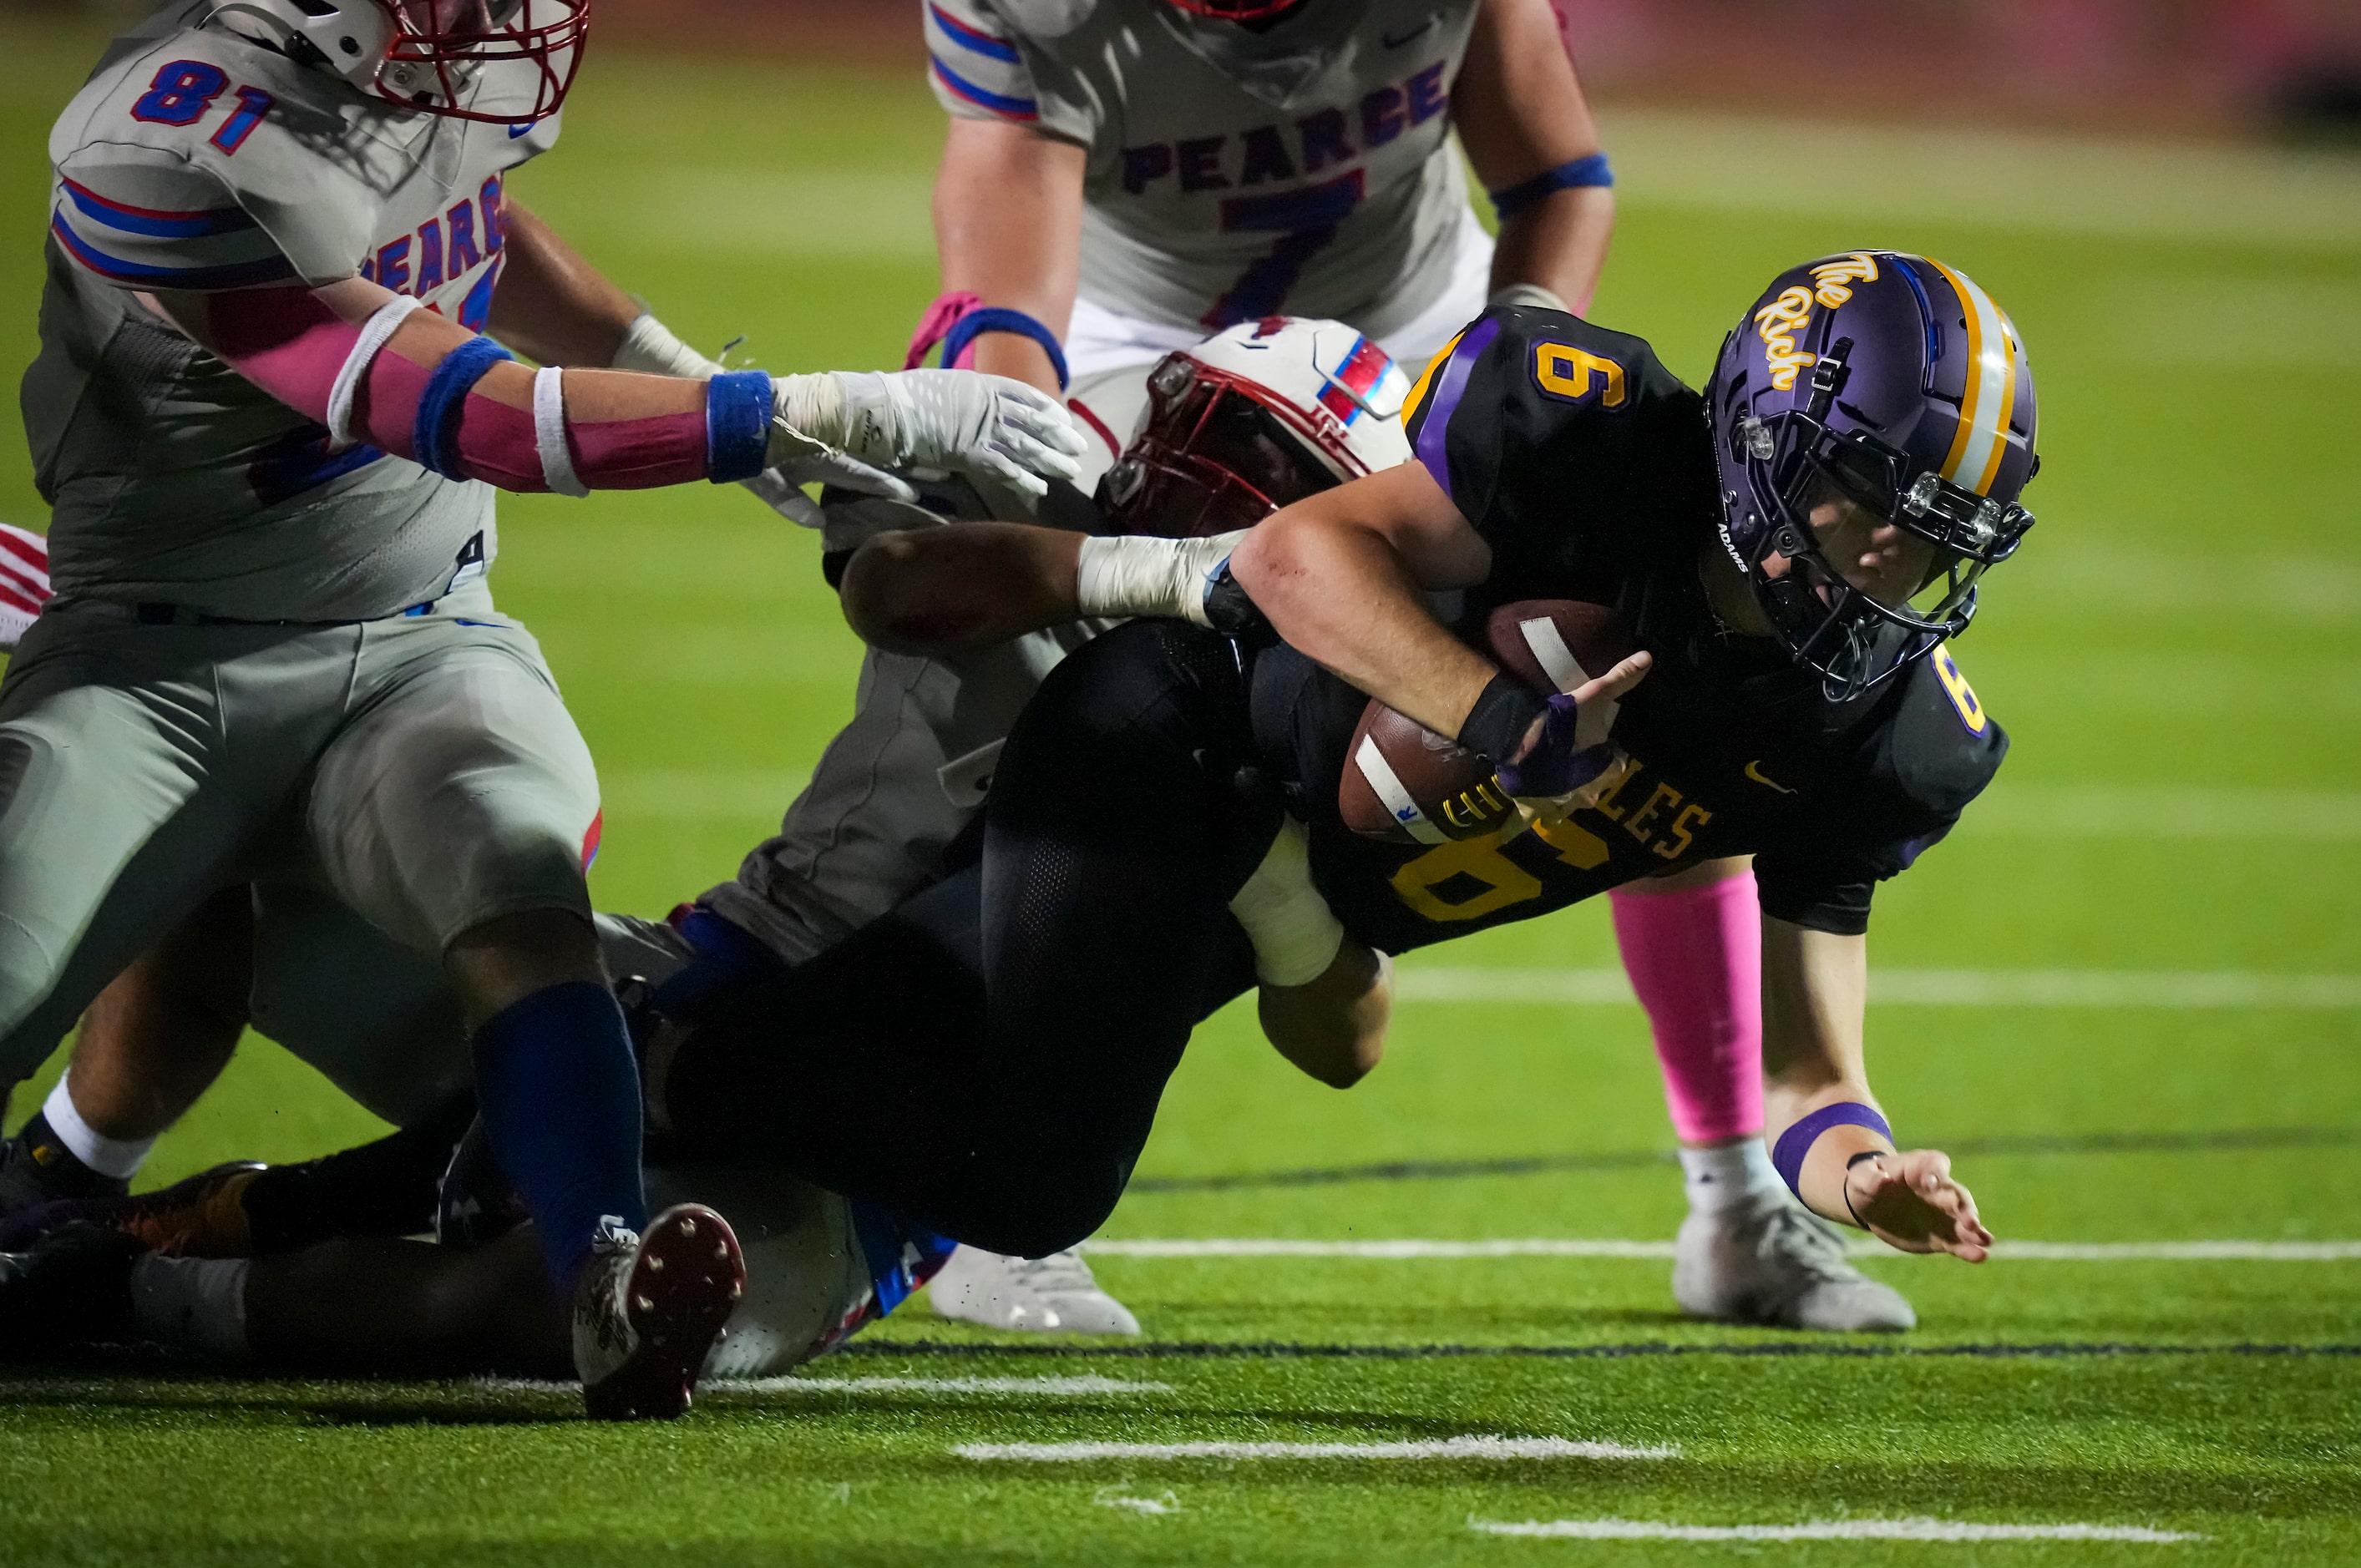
{"x": 1255, "y": 417}
{"x": 429, "y": 55}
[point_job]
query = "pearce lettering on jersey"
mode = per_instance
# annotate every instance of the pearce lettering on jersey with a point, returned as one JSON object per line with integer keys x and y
{"x": 1310, "y": 144}
{"x": 446, "y": 250}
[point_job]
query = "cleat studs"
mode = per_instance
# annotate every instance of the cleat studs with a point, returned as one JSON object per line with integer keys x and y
{"x": 722, "y": 1251}
{"x": 687, "y": 1226}
{"x": 736, "y": 1291}
{"x": 645, "y": 1303}
{"x": 655, "y": 1264}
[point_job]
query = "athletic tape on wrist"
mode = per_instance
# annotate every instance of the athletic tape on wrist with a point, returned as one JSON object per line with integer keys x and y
{"x": 347, "y": 384}
{"x": 549, "y": 433}
{"x": 1504, "y": 711}
{"x": 997, "y": 318}
{"x": 1787, "y": 1154}
{"x": 434, "y": 433}
{"x": 1295, "y": 933}
{"x": 737, "y": 425}
{"x": 1591, "y": 170}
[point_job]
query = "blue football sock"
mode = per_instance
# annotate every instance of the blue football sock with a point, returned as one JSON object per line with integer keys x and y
{"x": 560, "y": 1099}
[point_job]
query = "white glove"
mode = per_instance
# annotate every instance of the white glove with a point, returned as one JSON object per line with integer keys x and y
{"x": 989, "y": 426}
{"x": 652, "y": 348}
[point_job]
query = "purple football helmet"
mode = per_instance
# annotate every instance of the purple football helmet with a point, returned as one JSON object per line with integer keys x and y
{"x": 1893, "y": 382}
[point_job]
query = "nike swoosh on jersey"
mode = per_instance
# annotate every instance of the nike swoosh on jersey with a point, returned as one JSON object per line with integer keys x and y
{"x": 1754, "y": 771}
{"x": 1394, "y": 40}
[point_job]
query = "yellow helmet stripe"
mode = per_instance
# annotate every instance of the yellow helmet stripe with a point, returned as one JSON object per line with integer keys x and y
{"x": 1981, "y": 440}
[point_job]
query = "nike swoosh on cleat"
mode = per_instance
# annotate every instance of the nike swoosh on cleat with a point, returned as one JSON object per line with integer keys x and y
{"x": 1395, "y": 41}
{"x": 1754, "y": 771}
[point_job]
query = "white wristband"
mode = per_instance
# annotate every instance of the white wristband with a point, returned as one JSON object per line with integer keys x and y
{"x": 549, "y": 433}
{"x": 1295, "y": 933}
{"x": 347, "y": 384}
{"x": 1136, "y": 574}
{"x": 649, "y": 347}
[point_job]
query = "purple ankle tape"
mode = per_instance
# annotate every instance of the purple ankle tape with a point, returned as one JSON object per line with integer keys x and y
{"x": 1787, "y": 1155}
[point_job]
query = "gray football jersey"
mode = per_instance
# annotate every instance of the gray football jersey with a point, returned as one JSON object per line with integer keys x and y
{"x": 197, "y": 160}
{"x": 1305, "y": 169}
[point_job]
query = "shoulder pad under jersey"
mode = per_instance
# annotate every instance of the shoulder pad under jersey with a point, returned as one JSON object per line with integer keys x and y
{"x": 1500, "y": 405}
{"x": 1942, "y": 748}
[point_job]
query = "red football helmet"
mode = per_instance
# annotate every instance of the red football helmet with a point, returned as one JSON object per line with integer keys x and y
{"x": 431, "y": 56}
{"x": 1253, "y": 419}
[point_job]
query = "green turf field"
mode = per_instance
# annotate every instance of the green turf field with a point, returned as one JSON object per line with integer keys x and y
{"x": 2127, "y": 992}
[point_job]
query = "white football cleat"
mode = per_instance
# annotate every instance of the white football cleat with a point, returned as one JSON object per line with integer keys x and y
{"x": 1052, "y": 1294}
{"x": 1772, "y": 1264}
{"x": 648, "y": 1310}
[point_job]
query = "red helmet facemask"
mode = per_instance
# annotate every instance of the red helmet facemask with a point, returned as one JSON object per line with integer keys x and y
{"x": 1239, "y": 10}
{"x": 440, "y": 46}
{"x": 1212, "y": 457}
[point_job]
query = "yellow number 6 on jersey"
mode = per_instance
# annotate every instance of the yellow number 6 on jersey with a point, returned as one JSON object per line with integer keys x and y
{"x": 1569, "y": 373}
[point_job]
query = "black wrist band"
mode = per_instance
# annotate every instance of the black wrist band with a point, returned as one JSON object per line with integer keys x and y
{"x": 1844, "y": 1187}
{"x": 1496, "y": 726}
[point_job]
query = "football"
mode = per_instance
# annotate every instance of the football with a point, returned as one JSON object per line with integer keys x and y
{"x": 1406, "y": 784}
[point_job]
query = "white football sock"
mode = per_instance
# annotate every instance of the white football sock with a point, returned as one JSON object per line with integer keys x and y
{"x": 1724, "y": 1177}
{"x": 192, "y": 1303}
{"x": 1136, "y": 574}
{"x": 118, "y": 1157}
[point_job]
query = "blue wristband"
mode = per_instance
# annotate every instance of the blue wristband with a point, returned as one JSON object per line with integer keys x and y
{"x": 737, "y": 425}
{"x": 995, "y": 318}
{"x": 434, "y": 432}
{"x": 1591, "y": 170}
{"x": 1787, "y": 1155}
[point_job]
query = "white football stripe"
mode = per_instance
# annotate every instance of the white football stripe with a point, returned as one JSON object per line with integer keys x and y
{"x": 1990, "y": 388}
{"x": 1556, "y": 660}
{"x": 1427, "y": 1448}
{"x": 1829, "y": 1530}
{"x": 1390, "y": 791}
{"x": 1409, "y": 1250}
{"x": 2168, "y": 989}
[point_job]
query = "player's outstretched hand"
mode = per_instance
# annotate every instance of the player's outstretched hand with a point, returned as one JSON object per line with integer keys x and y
{"x": 1910, "y": 1200}
{"x": 962, "y": 420}
{"x": 1569, "y": 749}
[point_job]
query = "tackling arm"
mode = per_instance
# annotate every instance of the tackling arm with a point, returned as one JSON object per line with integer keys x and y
{"x": 1815, "y": 992}
{"x": 1529, "y": 134}
{"x": 1008, "y": 222}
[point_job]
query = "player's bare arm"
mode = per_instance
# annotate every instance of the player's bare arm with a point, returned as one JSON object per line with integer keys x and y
{"x": 1815, "y": 994}
{"x": 551, "y": 304}
{"x": 1008, "y": 222}
{"x": 1520, "y": 114}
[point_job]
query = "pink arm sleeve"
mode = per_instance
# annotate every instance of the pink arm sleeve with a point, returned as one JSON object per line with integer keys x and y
{"x": 290, "y": 343}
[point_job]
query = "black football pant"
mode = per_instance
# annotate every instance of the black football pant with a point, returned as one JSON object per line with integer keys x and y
{"x": 988, "y": 1057}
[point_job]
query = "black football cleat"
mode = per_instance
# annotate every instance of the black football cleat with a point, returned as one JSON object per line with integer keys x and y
{"x": 650, "y": 1308}
{"x": 37, "y": 1169}
{"x": 72, "y": 1288}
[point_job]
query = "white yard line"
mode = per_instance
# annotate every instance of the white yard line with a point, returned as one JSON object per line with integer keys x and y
{"x": 1056, "y": 1387}
{"x": 1426, "y": 1448}
{"x": 1555, "y": 1246}
{"x": 2168, "y": 989}
{"x": 1829, "y": 1529}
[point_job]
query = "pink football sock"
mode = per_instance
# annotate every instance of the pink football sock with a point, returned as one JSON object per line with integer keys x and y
{"x": 1694, "y": 956}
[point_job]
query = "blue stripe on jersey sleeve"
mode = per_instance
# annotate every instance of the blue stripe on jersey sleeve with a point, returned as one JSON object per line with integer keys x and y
{"x": 998, "y": 102}
{"x": 271, "y": 269}
{"x": 152, "y": 222}
{"x": 966, "y": 37}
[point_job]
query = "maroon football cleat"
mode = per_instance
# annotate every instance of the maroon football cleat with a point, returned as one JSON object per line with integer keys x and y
{"x": 650, "y": 1308}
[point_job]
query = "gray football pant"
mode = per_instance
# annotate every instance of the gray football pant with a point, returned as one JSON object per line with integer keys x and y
{"x": 422, "y": 770}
